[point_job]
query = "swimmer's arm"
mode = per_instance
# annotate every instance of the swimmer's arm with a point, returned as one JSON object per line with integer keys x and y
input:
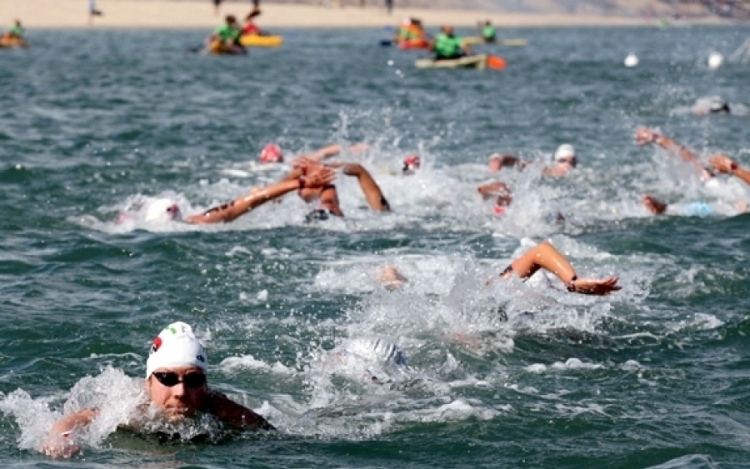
{"x": 373, "y": 194}
{"x": 545, "y": 256}
{"x": 60, "y": 442}
{"x": 644, "y": 136}
{"x": 725, "y": 164}
{"x": 230, "y": 211}
{"x": 333, "y": 150}
{"x": 236, "y": 415}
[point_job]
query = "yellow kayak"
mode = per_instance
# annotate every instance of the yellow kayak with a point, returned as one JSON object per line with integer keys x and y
{"x": 256, "y": 40}
{"x": 12, "y": 41}
{"x": 218, "y": 48}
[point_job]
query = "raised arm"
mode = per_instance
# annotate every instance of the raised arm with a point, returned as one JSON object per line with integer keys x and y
{"x": 61, "y": 441}
{"x": 333, "y": 150}
{"x": 645, "y": 136}
{"x": 545, "y": 256}
{"x": 724, "y": 164}
{"x": 372, "y": 191}
{"x": 256, "y": 197}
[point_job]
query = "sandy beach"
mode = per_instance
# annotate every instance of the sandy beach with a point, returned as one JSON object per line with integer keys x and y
{"x": 200, "y": 14}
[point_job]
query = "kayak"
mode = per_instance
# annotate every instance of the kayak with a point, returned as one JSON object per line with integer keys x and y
{"x": 418, "y": 44}
{"x": 217, "y": 48}
{"x": 12, "y": 42}
{"x": 478, "y": 61}
{"x": 476, "y": 40}
{"x": 255, "y": 40}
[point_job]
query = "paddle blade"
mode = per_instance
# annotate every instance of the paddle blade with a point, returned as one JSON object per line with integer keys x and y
{"x": 386, "y": 43}
{"x": 496, "y": 62}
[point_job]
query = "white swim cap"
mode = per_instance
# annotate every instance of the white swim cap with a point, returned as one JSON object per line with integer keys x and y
{"x": 162, "y": 210}
{"x": 377, "y": 351}
{"x": 176, "y": 345}
{"x": 564, "y": 151}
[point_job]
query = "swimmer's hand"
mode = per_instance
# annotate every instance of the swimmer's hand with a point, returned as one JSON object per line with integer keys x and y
{"x": 305, "y": 162}
{"x": 319, "y": 177}
{"x": 61, "y": 445}
{"x": 722, "y": 163}
{"x": 644, "y": 136}
{"x": 493, "y": 189}
{"x": 592, "y": 286}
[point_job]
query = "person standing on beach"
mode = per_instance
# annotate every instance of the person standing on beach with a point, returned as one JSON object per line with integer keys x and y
{"x": 93, "y": 11}
{"x": 217, "y": 4}
{"x": 389, "y": 6}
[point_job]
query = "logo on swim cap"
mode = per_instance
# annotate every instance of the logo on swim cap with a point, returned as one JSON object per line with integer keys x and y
{"x": 271, "y": 153}
{"x": 176, "y": 346}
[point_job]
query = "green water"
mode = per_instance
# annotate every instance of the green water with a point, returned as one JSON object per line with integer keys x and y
{"x": 93, "y": 124}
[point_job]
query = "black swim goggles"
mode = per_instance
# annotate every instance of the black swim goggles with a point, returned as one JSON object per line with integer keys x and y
{"x": 190, "y": 380}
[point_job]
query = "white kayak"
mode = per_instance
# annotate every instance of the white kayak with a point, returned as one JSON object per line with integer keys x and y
{"x": 478, "y": 61}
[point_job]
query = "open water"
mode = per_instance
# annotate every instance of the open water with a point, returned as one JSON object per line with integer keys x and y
{"x": 510, "y": 374}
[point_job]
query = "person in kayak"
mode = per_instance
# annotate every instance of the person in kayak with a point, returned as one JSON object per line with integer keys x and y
{"x": 226, "y": 38}
{"x": 175, "y": 390}
{"x": 16, "y": 31}
{"x": 250, "y": 28}
{"x": 447, "y": 46}
{"x": 488, "y": 31}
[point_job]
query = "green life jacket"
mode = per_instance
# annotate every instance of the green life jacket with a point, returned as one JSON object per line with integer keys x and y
{"x": 447, "y": 46}
{"x": 16, "y": 30}
{"x": 488, "y": 33}
{"x": 228, "y": 33}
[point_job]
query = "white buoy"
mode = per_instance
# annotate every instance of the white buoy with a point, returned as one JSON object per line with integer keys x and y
{"x": 631, "y": 60}
{"x": 715, "y": 60}
{"x": 390, "y": 63}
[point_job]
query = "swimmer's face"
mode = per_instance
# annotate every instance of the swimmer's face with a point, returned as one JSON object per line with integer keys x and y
{"x": 567, "y": 163}
{"x": 179, "y": 391}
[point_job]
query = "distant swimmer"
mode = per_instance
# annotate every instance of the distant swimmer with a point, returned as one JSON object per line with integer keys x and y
{"x": 564, "y": 160}
{"x": 487, "y": 31}
{"x": 711, "y": 105}
{"x": 176, "y": 390}
{"x": 411, "y": 165}
{"x": 718, "y": 163}
{"x": 690, "y": 209}
{"x": 272, "y": 153}
{"x": 447, "y": 46}
{"x": 165, "y": 210}
{"x": 226, "y": 38}
{"x": 500, "y": 192}
{"x": 374, "y": 360}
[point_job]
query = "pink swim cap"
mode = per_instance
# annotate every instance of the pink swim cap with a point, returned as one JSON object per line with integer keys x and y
{"x": 271, "y": 153}
{"x": 411, "y": 163}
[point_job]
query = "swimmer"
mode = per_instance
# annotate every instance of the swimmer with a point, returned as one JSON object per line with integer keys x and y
{"x": 271, "y": 153}
{"x": 692, "y": 209}
{"x": 411, "y": 165}
{"x": 500, "y": 192}
{"x": 711, "y": 105}
{"x": 564, "y": 161}
{"x": 164, "y": 210}
{"x": 176, "y": 389}
{"x": 327, "y": 196}
{"x": 375, "y": 360}
{"x": 545, "y": 256}
{"x": 645, "y": 136}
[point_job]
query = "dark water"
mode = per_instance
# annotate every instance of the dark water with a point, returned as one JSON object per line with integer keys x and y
{"x": 656, "y": 375}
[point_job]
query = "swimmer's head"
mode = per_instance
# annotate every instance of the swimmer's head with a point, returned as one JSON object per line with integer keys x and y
{"x": 411, "y": 164}
{"x": 711, "y": 105}
{"x": 162, "y": 211}
{"x": 176, "y": 346}
{"x": 271, "y": 153}
{"x": 566, "y": 154}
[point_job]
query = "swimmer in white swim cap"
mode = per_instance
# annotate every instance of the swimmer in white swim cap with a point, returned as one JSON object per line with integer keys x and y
{"x": 375, "y": 360}
{"x": 564, "y": 161}
{"x": 711, "y": 105}
{"x": 176, "y": 389}
{"x": 162, "y": 211}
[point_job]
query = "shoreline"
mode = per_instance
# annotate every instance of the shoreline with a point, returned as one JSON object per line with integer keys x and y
{"x": 165, "y": 14}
